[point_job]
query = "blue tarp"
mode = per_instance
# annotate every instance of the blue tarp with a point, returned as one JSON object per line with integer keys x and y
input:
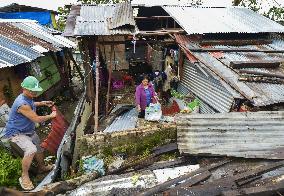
{"x": 44, "y": 18}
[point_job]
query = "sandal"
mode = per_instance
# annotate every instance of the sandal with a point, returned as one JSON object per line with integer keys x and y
{"x": 26, "y": 186}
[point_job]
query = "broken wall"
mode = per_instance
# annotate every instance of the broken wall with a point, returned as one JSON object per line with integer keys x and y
{"x": 119, "y": 59}
{"x": 124, "y": 141}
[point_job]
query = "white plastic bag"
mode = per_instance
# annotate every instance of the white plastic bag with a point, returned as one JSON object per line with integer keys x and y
{"x": 153, "y": 112}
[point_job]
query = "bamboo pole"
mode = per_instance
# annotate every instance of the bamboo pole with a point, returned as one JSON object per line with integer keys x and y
{"x": 109, "y": 78}
{"x": 97, "y": 90}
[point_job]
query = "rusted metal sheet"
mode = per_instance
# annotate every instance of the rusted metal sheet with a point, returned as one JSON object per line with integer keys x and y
{"x": 104, "y": 19}
{"x": 36, "y": 30}
{"x": 248, "y": 135}
{"x": 71, "y": 21}
{"x": 22, "y": 41}
{"x": 122, "y": 16}
{"x": 24, "y": 38}
{"x": 221, "y": 20}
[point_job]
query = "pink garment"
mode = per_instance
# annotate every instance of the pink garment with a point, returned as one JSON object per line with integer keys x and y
{"x": 140, "y": 95}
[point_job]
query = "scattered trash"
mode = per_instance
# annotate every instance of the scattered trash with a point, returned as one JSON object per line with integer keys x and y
{"x": 116, "y": 163}
{"x": 166, "y": 174}
{"x": 93, "y": 164}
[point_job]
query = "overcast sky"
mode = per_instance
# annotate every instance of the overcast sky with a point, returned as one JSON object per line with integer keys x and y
{"x": 54, "y": 4}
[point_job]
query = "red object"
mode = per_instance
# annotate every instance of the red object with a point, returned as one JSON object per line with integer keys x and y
{"x": 173, "y": 109}
{"x": 59, "y": 126}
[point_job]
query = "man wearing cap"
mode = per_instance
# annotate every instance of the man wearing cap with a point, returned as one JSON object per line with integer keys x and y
{"x": 20, "y": 128}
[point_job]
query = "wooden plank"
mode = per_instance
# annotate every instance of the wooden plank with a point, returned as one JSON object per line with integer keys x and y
{"x": 233, "y": 50}
{"x": 262, "y": 73}
{"x": 255, "y": 64}
{"x": 236, "y": 42}
{"x": 109, "y": 78}
{"x": 76, "y": 65}
{"x": 192, "y": 181}
{"x": 265, "y": 190}
{"x": 165, "y": 185}
{"x": 229, "y": 183}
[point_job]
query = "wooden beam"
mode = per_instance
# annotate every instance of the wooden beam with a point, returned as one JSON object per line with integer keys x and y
{"x": 89, "y": 84}
{"x": 229, "y": 183}
{"x": 233, "y": 50}
{"x": 109, "y": 78}
{"x": 138, "y": 42}
{"x": 97, "y": 90}
{"x": 167, "y": 184}
{"x": 188, "y": 183}
{"x": 273, "y": 189}
{"x": 236, "y": 42}
{"x": 262, "y": 73}
{"x": 151, "y": 17}
{"x": 76, "y": 65}
{"x": 255, "y": 64}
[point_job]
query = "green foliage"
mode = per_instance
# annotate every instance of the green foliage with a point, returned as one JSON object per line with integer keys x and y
{"x": 62, "y": 16}
{"x": 10, "y": 169}
{"x": 177, "y": 94}
{"x": 276, "y": 12}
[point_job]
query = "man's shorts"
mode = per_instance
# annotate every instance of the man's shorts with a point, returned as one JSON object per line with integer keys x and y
{"x": 29, "y": 144}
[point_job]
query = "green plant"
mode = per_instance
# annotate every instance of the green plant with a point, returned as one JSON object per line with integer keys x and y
{"x": 10, "y": 169}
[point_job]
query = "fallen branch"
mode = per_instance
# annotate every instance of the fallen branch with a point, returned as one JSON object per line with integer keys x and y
{"x": 68, "y": 185}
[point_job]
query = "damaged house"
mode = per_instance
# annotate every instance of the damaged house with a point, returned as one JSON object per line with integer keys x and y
{"x": 221, "y": 56}
{"x": 31, "y": 49}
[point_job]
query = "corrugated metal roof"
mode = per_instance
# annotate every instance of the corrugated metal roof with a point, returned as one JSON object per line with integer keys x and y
{"x": 17, "y": 53}
{"x": 261, "y": 94}
{"x": 151, "y": 3}
{"x": 195, "y": 20}
{"x": 10, "y": 31}
{"x": 103, "y": 19}
{"x": 37, "y": 31}
{"x": 122, "y": 16}
{"x": 124, "y": 122}
{"x": 249, "y": 135}
{"x": 23, "y": 41}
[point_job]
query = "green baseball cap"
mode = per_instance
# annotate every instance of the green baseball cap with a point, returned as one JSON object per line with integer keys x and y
{"x": 31, "y": 83}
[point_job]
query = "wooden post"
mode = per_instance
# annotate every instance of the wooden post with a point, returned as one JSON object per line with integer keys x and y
{"x": 77, "y": 67}
{"x": 109, "y": 78}
{"x": 180, "y": 63}
{"x": 97, "y": 90}
{"x": 88, "y": 71}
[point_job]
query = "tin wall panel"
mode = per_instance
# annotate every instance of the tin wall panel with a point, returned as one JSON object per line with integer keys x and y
{"x": 249, "y": 135}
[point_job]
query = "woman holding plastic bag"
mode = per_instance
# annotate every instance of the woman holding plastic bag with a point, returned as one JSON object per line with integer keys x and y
{"x": 144, "y": 95}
